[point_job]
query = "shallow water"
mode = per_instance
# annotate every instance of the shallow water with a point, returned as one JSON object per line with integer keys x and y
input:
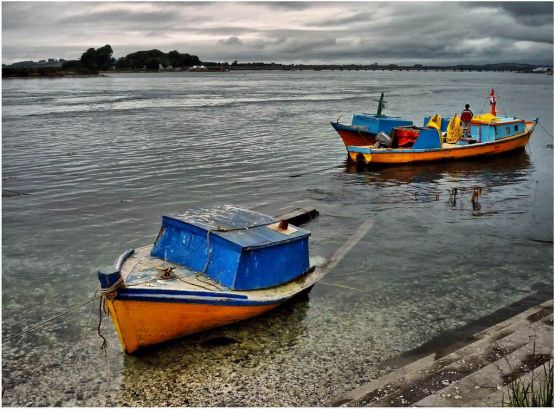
{"x": 101, "y": 159}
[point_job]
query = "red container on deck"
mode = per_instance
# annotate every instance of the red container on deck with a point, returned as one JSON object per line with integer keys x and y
{"x": 405, "y": 136}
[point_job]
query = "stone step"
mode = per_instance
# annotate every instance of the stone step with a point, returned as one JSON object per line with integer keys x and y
{"x": 539, "y": 375}
{"x": 452, "y": 369}
{"x": 399, "y": 387}
{"x": 485, "y": 385}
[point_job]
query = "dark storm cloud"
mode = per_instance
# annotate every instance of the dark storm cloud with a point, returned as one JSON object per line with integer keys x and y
{"x": 343, "y": 32}
{"x": 530, "y": 13}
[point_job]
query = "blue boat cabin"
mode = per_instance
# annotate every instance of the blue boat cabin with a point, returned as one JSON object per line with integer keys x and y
{"x": 238, "y": 248}
{"x": 500, "y": 129}
{"x": 375, "y": 123}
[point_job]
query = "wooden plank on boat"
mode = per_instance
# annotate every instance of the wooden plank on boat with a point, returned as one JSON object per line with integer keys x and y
{"x": 299, "y": 216}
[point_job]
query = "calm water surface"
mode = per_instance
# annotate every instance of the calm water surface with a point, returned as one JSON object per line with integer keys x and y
{"x": 101, "y": 159}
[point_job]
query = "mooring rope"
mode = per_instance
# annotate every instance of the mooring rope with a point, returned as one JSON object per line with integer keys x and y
{"x": 42, "y": 323}
{"x": 546, "y": 131}
{"x": 111, "y": 292}
{"x": 315, "y": 171}
{"x": 80, "y": 347}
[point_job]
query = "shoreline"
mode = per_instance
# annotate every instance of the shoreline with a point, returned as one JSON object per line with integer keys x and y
{"x": 461, "y": 372}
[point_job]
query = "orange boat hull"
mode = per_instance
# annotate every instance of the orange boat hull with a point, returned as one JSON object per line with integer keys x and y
{"x": 143, "y": 323}
{"x": 406, "y": 156}
{"x": 350, "y": 138}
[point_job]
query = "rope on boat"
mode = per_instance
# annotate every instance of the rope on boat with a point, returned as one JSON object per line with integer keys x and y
{"x": 342, "y": 251}
{"x": 341, "y": 286}
{"x": 111, "y": 292}
{"x": 546, "y": 131}
{"x": 42, "y": 323}
{"x": 80, "y": 348}
{"x": 315, "y": 171}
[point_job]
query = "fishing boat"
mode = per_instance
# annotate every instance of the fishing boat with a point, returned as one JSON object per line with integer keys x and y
{"x": 364, "y": 128}
{"x": 443, "y": 139}
{"x": 207, "y": 268}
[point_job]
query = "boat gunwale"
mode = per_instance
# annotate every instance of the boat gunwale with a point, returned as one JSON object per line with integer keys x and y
{"x": 350, "y": 128}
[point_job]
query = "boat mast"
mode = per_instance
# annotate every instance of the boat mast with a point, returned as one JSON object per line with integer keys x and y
{"x": 492, "y": 102}
{"x": 379, "y": 113}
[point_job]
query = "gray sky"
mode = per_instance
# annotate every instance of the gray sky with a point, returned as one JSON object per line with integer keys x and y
{"x": 289, "y": 32}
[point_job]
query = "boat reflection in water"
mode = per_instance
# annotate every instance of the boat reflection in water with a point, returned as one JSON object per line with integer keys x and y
{"x": 510, "y": 168}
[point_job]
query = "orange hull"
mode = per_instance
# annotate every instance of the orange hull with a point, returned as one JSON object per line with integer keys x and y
{"x": 143, "y": 323}
{"x": 407, "y": 156}
{"x": 354, "y": 139}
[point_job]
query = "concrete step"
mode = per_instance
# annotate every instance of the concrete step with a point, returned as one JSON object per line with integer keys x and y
{"x": 414, "y": 382}
{"x": 488, "y": 384}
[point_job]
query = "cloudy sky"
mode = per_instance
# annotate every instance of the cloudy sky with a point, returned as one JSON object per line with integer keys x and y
{"x": 288, "y": 32}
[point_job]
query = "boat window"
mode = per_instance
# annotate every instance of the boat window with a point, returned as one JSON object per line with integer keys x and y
{"x": 516, "y": 128}
{"x": 508, "y": 129}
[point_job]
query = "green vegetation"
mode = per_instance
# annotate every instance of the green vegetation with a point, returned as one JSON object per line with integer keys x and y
{"x": 153, "y": 59}
{"x": 99, "y": 59}
{"x": 30, "y": 72}
{"x": 533, "y": 394}
{"x": 94, "y": 60}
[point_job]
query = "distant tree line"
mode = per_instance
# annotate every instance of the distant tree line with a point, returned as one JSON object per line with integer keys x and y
{"x": 25, "y": 72}
{"x": 153, "y": 59}
{"x": 94, "y": 60}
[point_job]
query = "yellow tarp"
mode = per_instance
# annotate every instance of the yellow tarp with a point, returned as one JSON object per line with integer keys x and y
{"x": 487, "y": 118}
{"x": 454, "y": 130}
{"x": 435, "y": 122}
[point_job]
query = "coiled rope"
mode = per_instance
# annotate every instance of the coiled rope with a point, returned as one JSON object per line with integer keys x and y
{"x": 111, "y": 292}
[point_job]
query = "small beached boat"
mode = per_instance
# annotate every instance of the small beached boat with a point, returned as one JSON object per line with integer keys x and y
{"x": 363, "y": 128}
{"x": 207, "y": 268}
{"x": 443, "y": 139}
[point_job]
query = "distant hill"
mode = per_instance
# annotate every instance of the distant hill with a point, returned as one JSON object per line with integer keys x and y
{"x": 35, "y": 64}
{"x": 508, "y": 66}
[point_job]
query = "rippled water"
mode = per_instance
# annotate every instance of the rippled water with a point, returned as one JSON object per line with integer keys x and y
{"x": 101, "y": 159}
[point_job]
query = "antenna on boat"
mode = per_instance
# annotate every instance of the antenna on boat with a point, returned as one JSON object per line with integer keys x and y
{"x": 492, "y": 102}
{"x": 381, "y": 105}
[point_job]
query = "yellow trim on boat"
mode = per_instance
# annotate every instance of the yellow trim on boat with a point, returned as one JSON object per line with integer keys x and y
{"x": 448, "y": 151}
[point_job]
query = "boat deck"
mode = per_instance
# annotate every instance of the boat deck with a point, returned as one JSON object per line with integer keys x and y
{"x": 143, "y": 272}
